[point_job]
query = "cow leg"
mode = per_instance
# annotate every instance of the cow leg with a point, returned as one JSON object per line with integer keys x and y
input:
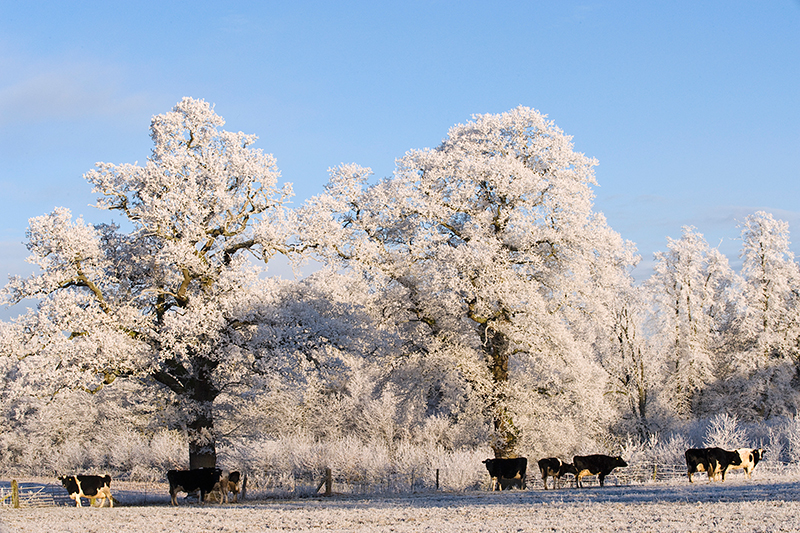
{"x": 601, "y": 477}
{"x": 544, "y": 480}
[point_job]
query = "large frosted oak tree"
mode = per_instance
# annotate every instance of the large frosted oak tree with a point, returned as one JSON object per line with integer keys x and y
{"x": 169, "y": 300}
{"x": 486, "y": 246}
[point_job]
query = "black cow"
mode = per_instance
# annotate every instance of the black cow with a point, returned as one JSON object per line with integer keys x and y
{"x": 715, "y": 461}
{"x": 553, "y": 466}
{"x": 90, "y": 487}
{"x": 512, "y": 470}
{"x": 188, "y": 481}
{"x": 697, "y": 461}
{"x": 595, "y": 465}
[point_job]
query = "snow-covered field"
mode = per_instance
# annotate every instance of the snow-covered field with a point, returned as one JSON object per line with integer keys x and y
{"x": 734, "y": 506}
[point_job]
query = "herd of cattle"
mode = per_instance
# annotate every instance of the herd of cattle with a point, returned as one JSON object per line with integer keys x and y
{"x": 716, "y": 462}
{"x": 214, "y": 484}
{"x": 210, "y": 484}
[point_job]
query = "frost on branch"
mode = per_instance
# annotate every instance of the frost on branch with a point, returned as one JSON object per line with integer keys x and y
{"x": 487, "y": 242}
{"x": 170, "y": 301}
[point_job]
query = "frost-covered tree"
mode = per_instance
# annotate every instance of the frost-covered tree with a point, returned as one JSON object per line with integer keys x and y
{"x": 769, "y": 334}
{"x": 626, "y": 355}
{"x": 486, "y": 247}
{"x": 691, "y": 285}
{"x": 168, "y": 296}
{"x": 772, "y": 282}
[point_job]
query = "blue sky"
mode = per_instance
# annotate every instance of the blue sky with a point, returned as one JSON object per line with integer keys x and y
{"x": 692, "y": 108}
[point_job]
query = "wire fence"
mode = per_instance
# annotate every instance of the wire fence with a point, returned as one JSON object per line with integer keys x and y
{"x": 32, "y": 494}
{"x": 302, "y": 484}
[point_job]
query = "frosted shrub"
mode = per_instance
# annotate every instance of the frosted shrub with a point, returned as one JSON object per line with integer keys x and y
{"x": 436, "y": 431}
{"x": 673, "y": 450}
{"x": 371, "y": 463}
{"x": 639, "y": 451}
{"x": 168, "y": 450}
{"x": 297, "y": 463}
{"x": 147, "y": 474}
{"x": 413, "y": 463}
{"x": 126, "y": 449}
{"x": 791, "y": 432}
{"x": 375, "y": 460}
{"x": 243, "y": 456}
{"x": 724, "y": 431}
{"x": 774, "y": 448}
{"x": 461, "y": 470}
{"x": 73, "y": 456}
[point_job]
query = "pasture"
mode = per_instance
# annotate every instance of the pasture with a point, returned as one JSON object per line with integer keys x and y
{"x": 765, "y": 503}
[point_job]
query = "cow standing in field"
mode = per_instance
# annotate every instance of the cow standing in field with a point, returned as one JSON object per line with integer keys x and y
{"x": 595, "y": 465}
{"x": 553, "y": 466}
{"x": 722, "y": 460}
{"x": 199, "y": 479}
{"x": 508, "y": 472}
{"x": 750, "y": 458}
{"x": 697, "y": 461}
{"x": 715, "y": 461}
{"x": 89, "y": 487}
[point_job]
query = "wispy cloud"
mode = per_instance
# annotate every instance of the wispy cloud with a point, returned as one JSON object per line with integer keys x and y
{"x": 68, "y": 91}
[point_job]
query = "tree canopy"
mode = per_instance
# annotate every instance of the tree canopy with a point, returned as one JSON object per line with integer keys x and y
{"x": 474, "y": 297}
{"x": 172, "y": 298}
{"x": 487, "y": 244}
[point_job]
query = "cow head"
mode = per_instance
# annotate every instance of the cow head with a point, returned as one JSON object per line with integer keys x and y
{"x": 619, "y": 461}
{"x": 758, "y": 455}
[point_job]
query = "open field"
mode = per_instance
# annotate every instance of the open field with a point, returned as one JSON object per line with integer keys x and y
{"x": 736, "y": 506}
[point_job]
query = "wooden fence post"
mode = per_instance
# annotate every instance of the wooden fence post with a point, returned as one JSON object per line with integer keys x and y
{"x": 328, "y": 482}
{"x": 437, "y": 479}
{"x": 14, "y": 494}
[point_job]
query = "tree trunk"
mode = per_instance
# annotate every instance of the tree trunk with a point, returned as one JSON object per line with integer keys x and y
{"x": 495, "y": 346}
{"x": 202, "y": 441}
{"x": 201, "y": 434}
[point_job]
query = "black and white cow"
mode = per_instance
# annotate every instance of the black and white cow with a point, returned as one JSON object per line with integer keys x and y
{"x": 89, "y": 487}
{"x": 188, "y": 481}
{"x": 715, "y": 461}
{"x": 595, "y": 465}
{"x": 750, "y": 458}
{"x": 507, "y": 472}
{"x": 553, "y": 466}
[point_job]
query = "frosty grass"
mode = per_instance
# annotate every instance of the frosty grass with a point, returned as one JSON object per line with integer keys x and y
{"x": 737, "y": 505}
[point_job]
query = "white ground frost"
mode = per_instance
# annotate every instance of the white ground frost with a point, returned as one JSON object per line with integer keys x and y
{"x": 735, "y": 506}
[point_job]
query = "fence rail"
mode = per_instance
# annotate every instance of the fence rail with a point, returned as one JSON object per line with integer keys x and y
{"x": 32, "y": 494}
{"x": 277, "y": 484}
